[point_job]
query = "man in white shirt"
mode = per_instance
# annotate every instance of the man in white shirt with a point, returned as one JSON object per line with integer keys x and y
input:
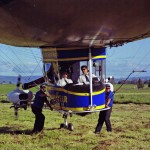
{"x": 64, "y": 80}
{"x": 84, "y": 78}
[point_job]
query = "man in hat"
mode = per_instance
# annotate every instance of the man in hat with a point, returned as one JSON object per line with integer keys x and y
{"x": 38, "y": 103}
{"x": 111, "y": 86}
{"x": 104, "y": 116}
{"x": 64, "y": 80}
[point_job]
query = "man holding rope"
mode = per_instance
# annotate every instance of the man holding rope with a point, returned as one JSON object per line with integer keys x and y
{"x": 104, "y": 116}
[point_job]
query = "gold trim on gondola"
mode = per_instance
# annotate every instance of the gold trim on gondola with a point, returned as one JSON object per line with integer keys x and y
{"x": 71, "y": 59}
{"x": 76, "y": 93}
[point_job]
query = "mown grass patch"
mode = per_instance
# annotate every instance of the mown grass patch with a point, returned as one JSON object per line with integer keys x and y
{"x": 130, "y": 124}
{"x": 131, "y": 88}
{"x": 125, "y": 98}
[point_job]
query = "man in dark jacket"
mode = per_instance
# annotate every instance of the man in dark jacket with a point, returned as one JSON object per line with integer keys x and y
{"x": 40, "y": 99}
{"x": 104, "y": 116}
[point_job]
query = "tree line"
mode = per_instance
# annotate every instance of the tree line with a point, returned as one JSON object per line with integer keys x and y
{"x": 140, "y": 83}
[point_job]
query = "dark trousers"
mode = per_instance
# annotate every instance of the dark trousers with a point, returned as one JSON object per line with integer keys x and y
{"x": 39, "y": 119}
{"x": 104, "y": 116}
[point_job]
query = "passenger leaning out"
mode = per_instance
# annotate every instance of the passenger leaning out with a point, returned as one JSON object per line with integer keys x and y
{"x": 64, "y": 80}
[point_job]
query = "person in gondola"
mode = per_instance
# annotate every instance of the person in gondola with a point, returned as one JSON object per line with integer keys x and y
{"x": 84, "y": 77}
{"x": 38, "y": 103}
{"x": 64, "y": 80}
{"x": 104, "y": 116}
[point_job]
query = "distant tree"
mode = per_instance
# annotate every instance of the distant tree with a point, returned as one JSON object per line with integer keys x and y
{"x": 140, "y": 84}
{"x": 121, "y": 82}
{"x": 133, "y": 81}
{"x": 112, "y": 80}
{"x": 128, "y": 82}
{"x": 3, "y": 82}
{"x": 10, "y": 82}
{"x": 149, "y": 83}
{"x": 146, "y": 81}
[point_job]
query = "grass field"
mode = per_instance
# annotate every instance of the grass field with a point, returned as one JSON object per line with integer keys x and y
{"x": 127, "y": 93}
{"x": 130, "y": 122}
{"x": 130, "y": 94}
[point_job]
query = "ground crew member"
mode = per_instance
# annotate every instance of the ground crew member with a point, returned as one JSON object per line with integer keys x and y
{"x": 104, "y": 116}
{"x": 38, "y": 103}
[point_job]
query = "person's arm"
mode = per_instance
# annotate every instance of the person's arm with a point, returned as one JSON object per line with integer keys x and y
{"x": 109, "y": 99}
{"x": 107, "y": 102}
{"x": 48, "y": 104}
{"x": 46, "y": 101}
{"x": 69, "y": 81}
{"x": 79, "y": 79}
{"x": 58, "y": 83}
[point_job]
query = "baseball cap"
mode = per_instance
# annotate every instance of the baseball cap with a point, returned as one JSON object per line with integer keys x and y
{"x": 107, "y": 86}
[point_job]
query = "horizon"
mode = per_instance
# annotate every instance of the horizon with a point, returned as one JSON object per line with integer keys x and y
{"x": 120, "y": 61}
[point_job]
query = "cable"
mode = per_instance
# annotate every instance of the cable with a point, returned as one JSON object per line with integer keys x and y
{"x": 124, "y": 82}
{"x": 18, "y": 69}
{"x": 127, "y": 79}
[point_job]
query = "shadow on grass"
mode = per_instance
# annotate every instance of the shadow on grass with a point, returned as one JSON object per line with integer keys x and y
{"x": 51, "y": 129}
{"x": 9, "y": 130}
{"x": 4, "y": 101}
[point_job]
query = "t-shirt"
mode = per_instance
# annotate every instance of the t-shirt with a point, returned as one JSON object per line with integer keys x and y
{"x": 109, "y": 95}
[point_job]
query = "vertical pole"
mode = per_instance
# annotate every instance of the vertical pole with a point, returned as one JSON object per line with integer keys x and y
{"x": 90, "y": 71}
{"x": 90, "y": 60}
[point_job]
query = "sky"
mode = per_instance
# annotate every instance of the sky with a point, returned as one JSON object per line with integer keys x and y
{"x": 120, "y": 61}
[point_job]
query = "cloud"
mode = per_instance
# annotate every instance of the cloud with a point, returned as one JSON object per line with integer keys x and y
{"x": 124, "y": 68}
{"x": 28, "y": 69}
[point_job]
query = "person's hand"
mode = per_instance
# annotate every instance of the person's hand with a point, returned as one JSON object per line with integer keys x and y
{"x": 47, "y": 95}
{"x": 106, "y": 106}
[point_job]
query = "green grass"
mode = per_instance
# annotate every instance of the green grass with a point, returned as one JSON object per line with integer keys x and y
{"x": 130, "y": 122}
{"x": 127, "y": 94}
{"x": 130, "y": 94}
{"x": 6, "y": 88}
{"x": 131, "y": 88}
